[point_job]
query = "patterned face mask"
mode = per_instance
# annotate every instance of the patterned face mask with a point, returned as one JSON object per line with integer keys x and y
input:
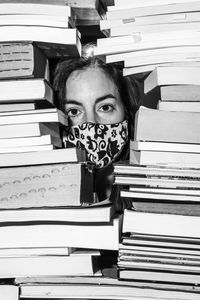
{"x": 103, "y": 143}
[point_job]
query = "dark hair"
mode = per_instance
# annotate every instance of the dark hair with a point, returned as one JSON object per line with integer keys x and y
{"x": 127, "y": 86}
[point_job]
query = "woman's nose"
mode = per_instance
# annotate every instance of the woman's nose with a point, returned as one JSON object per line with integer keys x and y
{"x": 90, "y": 117}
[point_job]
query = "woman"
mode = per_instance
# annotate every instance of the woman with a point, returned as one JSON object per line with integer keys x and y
{"x": 101, "y": 105}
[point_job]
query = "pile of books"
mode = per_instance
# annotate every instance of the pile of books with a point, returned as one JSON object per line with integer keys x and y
{"x": 158, "y": 43}
{"x": 51, "y": 223}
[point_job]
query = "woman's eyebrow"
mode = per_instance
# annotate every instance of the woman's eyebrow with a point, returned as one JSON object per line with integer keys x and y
{"x": 73, "y": 102}
{"x": 105, "y": 97}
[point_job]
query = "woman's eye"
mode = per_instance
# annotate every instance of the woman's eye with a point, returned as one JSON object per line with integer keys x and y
{"x": 73, "y": 112}
{"x": 106, "y": 108}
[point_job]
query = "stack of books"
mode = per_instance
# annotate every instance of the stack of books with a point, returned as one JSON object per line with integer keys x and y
{"x": 51, "y": 223}
{"x": 158, "y": 43}
{"x": 145, "y": 34}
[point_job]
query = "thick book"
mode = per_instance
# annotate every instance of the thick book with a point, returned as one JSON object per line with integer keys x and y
{"x": 39, "y": 186}
{"x": 171, "y": 76}
{"x": 9, "y": 292}
{"x": 93, "y": 235}
{"x": 35, "y": 251}
{"x": 22, "y": 60}
{"x": 26, "y": 90}
{"x": 78, "y": 263}
{"x": 161, "y": 224}
{"x": 43, "y": 157}
{"x": 54, "y": 41}
{"x": 164, "y": 158}
{"x": 179, "y": 106}
{"x": 47, "y": 115}
{"x": 182, "y": 93}
{"x": 98, "y": 212}
{"x": 29, "y": 130}
{"x": 176, "y": 127}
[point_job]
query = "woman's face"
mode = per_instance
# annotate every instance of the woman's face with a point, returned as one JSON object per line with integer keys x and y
{"x": 91, "y": 96}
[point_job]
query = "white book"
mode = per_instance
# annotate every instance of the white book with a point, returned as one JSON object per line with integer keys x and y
{"x": 23, "y": 149}
{"x": 35, "y": 8}
{"x": 161, "y": 224}
{"x": 115, "y": 13}
{"x": 165, "y": 191}
{"x": 117, "y": 291}
{"x": 171, "y": 75}
{"x": 161, "y": 182}
{"x": 33, "y": 116}
{"x": 25, "y": 90}
{"x": 35, "y": 251}
{"x": 38, "y": 158}
{"x": 192, "y": 40}
{"x": 100, "y": 212}
{"x": 162, "y": 146}
{"x": 163, "y": 158}
{"x": 9, "y": 292}
{"x": 28, "y": 130}
{"x": 16, "y": 107}
{"x": 95, "y": 236}
{"x": 148, "y": 196}
{"x": 34, "y": 20}
{"x": 75, "y": 264}
{"x": 131, "y": 57}
{"x": 65, "y": 40}
{"x": 30, "y": 141}
{"x": 138, "y": 3}
{"x": 179, "y": 106}
{"x": 156, "y": 29}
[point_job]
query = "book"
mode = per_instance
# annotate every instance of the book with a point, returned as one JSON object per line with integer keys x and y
{"x": 182, "y": 93}
{"x": 179, "y": 106}
{"x": 127, "y": 169}
{"x": 9, "y": 292}
{"x": 29, "y": 130}
{"x": 145, "y": 70}
{"x": 17, "y": 107}
{"x": 38, "y": 186}
{"x": 153, "y": 181}
{"x": 54, "y": 41}
{"x": 149, "y": 42}
{"x": 41, "y": 158}
{"x": 158, "y": 276}
{"x": 171, "y": 75}
{"x": 96, "y": 287}
{"x": 93, "y": 236}
{"x": 47, "y": 115}
{"x": 26, "y": 149}
{"x": 138, "y": 3}
{"x": 116, "y": 12}
{"x": 34, "y": 251}
{"x": 156, "y": 29}
{"x": 163, "y": 158}
{"x": 162, "y": 146}
{"x": 26, "y": 90}
{"x": 161, "y": 224}
{"x": 81, "y": 263}
{"x": 30, "y": 141}
{"x": 99, "y": 212}
{"x": 181, "y": 127}
{"x": 34, "y": 8}
{"x": 23, "y": 60}
{"x": 34, "y": 20}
